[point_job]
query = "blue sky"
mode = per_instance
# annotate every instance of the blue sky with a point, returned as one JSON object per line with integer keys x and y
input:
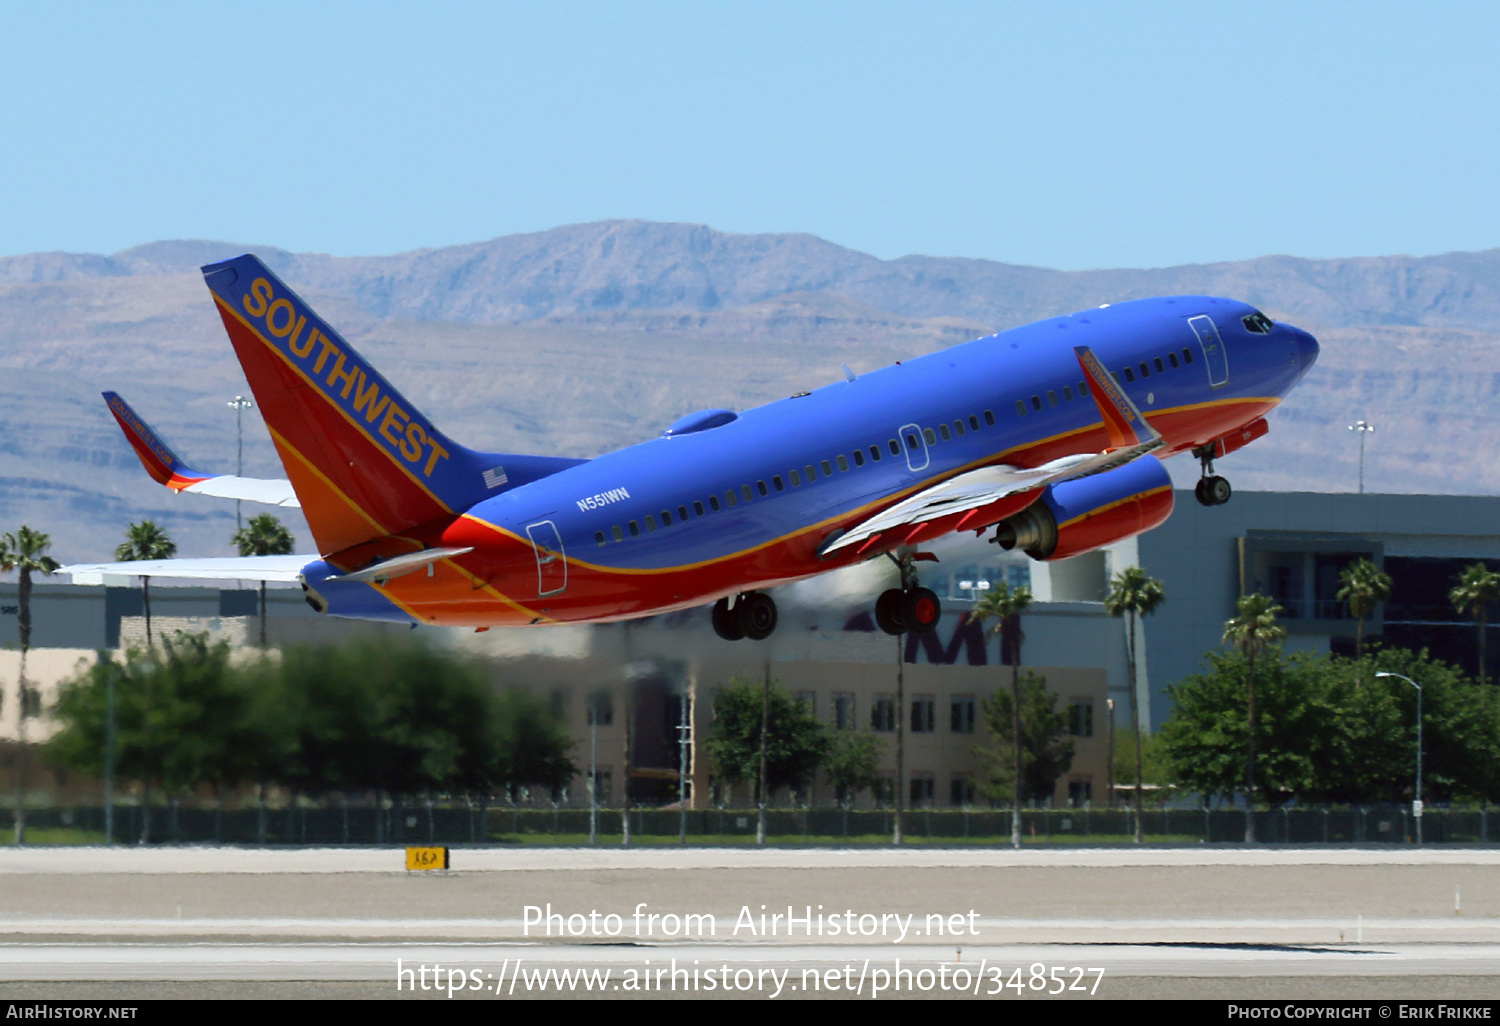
{"x": 1067, "y": 135}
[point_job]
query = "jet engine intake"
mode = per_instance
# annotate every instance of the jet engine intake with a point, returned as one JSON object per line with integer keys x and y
{"x": 1088, "y": 513}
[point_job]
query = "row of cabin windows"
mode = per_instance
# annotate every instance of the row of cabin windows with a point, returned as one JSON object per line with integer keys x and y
{"x": 794, "y": 478}
{"x": 1083, "y": 388}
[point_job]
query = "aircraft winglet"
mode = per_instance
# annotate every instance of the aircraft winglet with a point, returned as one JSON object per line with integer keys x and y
{"x": 1123, "y": 422}
{"x": 155, "y": 455}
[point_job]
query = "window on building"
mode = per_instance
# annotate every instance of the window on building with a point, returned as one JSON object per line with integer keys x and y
{"x": 557, "y": 699}
{"x": 923, "y": 715}
{"x": 1080, "y": 792}
{"x": 883, "y": 790}
{"x": 1081, "y": 717}
{"x": 601, "y": 708}
{"x": 883, "y": 714}
{"x": 921, "y": 790}
{"x": 961, "y": 714}
{"x": 843, "y": 710}
{"x": 601, "y": 785}
{"x": 961, "y": 790}
{"x": 808, "y": 700}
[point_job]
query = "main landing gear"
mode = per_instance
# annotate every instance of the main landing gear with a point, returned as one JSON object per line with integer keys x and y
{"x": 909, "y": 607}
{"x": 751, "y": 615}
{"x": 1212, "y": 490}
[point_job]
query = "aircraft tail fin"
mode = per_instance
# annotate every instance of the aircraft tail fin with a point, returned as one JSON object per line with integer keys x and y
{"x": 364, "y": 461}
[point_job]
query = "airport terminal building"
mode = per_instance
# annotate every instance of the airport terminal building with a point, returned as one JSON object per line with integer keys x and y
{"x": 829, "y": 654}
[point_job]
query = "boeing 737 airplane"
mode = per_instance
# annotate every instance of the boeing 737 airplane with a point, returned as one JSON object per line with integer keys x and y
{"x": 1050, "y": 437}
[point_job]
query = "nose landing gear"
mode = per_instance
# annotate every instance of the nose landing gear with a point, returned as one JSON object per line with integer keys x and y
{"x": 1212, "y": 490}
{"x": 751, "y": 615}
{"x": 909, "y": 607}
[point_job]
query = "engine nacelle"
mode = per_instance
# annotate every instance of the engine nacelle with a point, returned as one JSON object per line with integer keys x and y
{"x": 1074, "y": 517}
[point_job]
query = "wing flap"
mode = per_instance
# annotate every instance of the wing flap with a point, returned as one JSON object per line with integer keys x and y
{"x": 250, "y": 489}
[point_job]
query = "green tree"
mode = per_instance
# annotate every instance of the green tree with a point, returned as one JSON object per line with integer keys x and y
{"x": 1134, "y": 594}
{"x": 1364, "y": 586}
{"x": 796, "y": 742}
{"x": 1476, "y": 588}
{"x": 177, "y": 707}
{"x": 264, "y": 535}
{"x": 1252, "y": 630}
{"x": 1004, "y": 605}
{"x": 852, "y": 762}
{"x": 1046, "y": 749}
{"x": 146, "y": 540}
{"x": 24, "y": 551}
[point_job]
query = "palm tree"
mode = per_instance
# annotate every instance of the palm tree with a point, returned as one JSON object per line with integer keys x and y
{"x": 1477, "y": 587}
{"x": 24, "y": 551}
{"x": 1005, "y": 604}
{"x": 1253, "y": 628}
{"x": 1133, "y": 593}
{"x": 146, "y": 540}
{"x": 1363, "y": 585}
{"x": 263, "y": 536}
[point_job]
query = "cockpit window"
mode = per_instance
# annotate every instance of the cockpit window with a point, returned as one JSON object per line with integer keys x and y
{"x": 1258, "y": 323}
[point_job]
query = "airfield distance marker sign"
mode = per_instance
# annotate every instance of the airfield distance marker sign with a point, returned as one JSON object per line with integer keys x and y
{"x": 426, "y": 858}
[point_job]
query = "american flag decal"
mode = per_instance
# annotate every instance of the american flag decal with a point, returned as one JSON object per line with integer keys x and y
{"x": 495, "y": 478}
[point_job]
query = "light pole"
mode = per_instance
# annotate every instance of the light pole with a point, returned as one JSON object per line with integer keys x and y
{"x": 594, "y": 703}
{"x": 239, "y": 404}
{"x": 1364, "y": 428}
{"x": 682, "y": 770}
{"x": 109, "y": 752}
{"x": 1416, "y": 805}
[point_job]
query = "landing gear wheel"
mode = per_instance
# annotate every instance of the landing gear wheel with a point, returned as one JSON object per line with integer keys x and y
{"x": 726, "y": 622}
{"x": 921, "y": 610}
{"x": 1216, "y": 490}
{"x": 1203, "y": 499}
{"x": 888, "y": 616}
{"x": 755, "y": 614}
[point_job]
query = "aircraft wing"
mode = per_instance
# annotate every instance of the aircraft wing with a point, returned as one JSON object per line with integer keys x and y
{"x": 224, "y": 568}
{"x": 1130, "y": 437}
{"x": 166, "y": 469}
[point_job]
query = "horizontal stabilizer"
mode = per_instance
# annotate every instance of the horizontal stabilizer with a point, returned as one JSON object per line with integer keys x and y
{"x": 222, "y": 568}
{"x": 397, "y": 566}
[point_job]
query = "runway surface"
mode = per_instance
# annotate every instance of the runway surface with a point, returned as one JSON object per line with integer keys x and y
{"x": 1184, "y": 921}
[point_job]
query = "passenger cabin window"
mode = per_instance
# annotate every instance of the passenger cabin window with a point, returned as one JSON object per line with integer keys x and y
{"x": 746, "y": 492}
{"x": 989, "y": 418}
{"x": 1129, "y": 374}
{"x": 1160, "y": 367}
{"x": 1036, "y": 403}
{"x": 930, "y": 435}
{"x": 713, "y": 503}
{"x": 617, "y": 534}
{"x": 843, "y": 463}
{"x": 1051, "y": 397}
{"x": 895, "y": 447}
{"x": 875, "y": 453}
{"x": 1172, "y": 359}
{"x": 812, "y": 475}
{"x": 697, "y": 507}
{"x": 913, "y": 443}
{"x": 1068, "y": 393}
{"x": 635, "y": 529}
{"x": 1020, "y": 407}
{"x": 943, "y": 430}
{"x": 730, "y": 498}
{"x": 958, "y": 428}
{"x": 776, "y": 483}
{"x": 859, "y": 457}
{"x": 796, "y": 478}
{"x": 760, "y": 486}
{"x": 1083, "y": 389}
{"x": 650, "y": 522}
{"x": 827, "y": 468}
{"x": 1187, "y": 356}
{"x": 1145, "y": 371}
{"x": 599, "y": 538}
{"x": 682, "y": 512}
